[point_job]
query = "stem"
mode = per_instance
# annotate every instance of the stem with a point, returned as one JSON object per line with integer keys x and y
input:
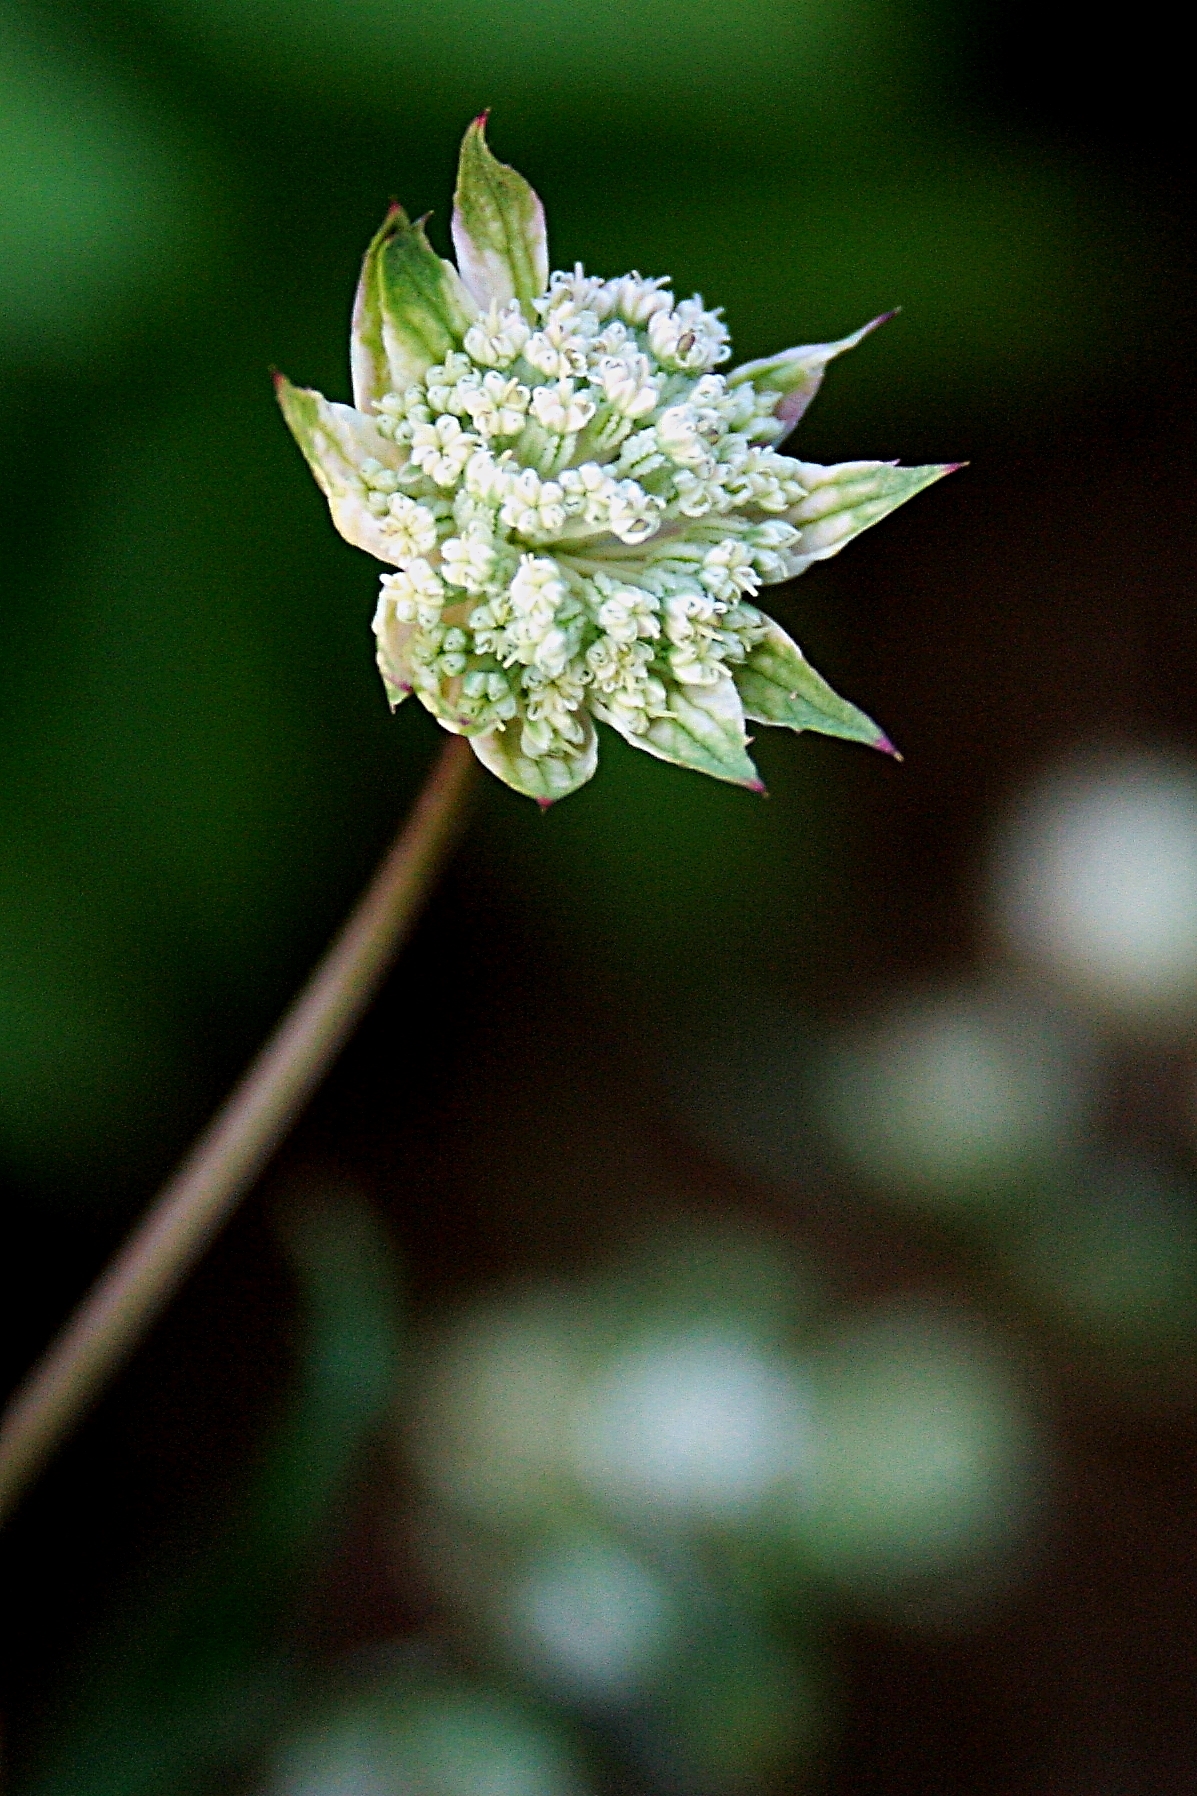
{"x": 239, "y": 1141}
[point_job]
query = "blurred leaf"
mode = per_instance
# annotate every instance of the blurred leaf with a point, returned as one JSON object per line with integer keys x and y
{"x": 83, "y": 1041}
{"x": 742, "y": 1709}
{"x": 193, "y": 697}
{"x": 192, "y": 1670}
{"x": 93, "y": 188}
{"x": 1113, "y": 1257}
{"x": 700, "y": 63}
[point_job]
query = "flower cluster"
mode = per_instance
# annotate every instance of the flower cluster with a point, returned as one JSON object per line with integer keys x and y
{"x": 579, "y": 504}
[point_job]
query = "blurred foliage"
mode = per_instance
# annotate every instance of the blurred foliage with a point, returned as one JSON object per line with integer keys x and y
{"x": 95, "y": 180}
{"x": 1110, "y": 1257}
{"x": 713, "y": 60}
{"x": 196, "y": 1667}
{"x": 197, "y": 761}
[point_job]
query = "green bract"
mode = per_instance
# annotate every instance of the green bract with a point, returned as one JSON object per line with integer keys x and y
{"x": 578, "y": 508}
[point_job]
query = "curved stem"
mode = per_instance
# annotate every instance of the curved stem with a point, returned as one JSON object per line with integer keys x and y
{"x": 235, "y": 1147}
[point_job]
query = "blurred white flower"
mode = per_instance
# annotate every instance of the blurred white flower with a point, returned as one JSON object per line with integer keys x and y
{"x": 589, "y": 1619}
{"x": 1096, "y": 882}
{"x": 697, "y": 1424}
{"x": 929, "y": 1469}
{"x": 964, "y": 1096}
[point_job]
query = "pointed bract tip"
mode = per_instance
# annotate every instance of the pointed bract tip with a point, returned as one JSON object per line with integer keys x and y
{"x": 882, "y": 318}
{"x": 952, "y": 467}
{"x": 887, "y": 748}
{"x": 278, "y": 379}
{"x": 481, "y": 120}
{"x": 544, "y": 804}
{"x": 759, "y": 787}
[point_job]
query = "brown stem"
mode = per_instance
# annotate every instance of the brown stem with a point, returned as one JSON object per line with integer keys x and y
{"x": 144, "y": 1274}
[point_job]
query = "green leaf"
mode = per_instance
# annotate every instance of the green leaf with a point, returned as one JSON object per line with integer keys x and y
{"x": 797, "y": 374}
{"x": 547, "y": 778}
{"x": 335, "y": 441}
{"x": 703, "y": 731}
{"x": 498, "y": 228}
{"x": 843, "y": 500}
{"x": 411, "y": 310}
{"x": 777, "y": 684}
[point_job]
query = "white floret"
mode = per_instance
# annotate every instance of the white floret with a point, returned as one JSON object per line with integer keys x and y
{"x": 552, "y": 703}
{"x": 497, "y": 404}
{"x": 728, "y": 570}
{"x": 498, "y": 336}
{"x": 468, "y": 560}
{"x": 379, "y": 483}
{"x": 636, "y": 299}
{"x": 585, "y": 292}
{"x": 533, "y": 507}
{"x": 441, "y": 450}
{"x": 626, "y": 384}
{"x": 410, "y": 528}
{"x": 561, "y": 348}
{"x": 415, "y": 593}
{"x": 629, "y": 613}
{"x": 767, "y": 541}
{"x": 487, "y": 480}
{"x": 560, "y": 410}
{"x": 537, "y": 590}
{"x": 689, "y": 337}
{"x": 634, "y": 515}
{"x": 441, "y": 382}
{"x": 587, "y": 491}
{"x": 685, "y": 434}
{"x": 614, "y": 339}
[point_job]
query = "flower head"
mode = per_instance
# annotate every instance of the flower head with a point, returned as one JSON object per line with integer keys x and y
{"x": 580, "y": 502}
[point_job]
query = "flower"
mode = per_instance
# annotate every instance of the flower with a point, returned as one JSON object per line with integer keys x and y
{"x": 579, "y": 500}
